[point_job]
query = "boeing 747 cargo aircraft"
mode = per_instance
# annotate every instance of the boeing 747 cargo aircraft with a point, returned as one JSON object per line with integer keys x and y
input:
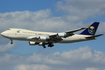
{"x": 48, "y": 38}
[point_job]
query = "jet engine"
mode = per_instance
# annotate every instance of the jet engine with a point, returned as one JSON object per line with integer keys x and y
{"x": 64, "y": 34}
{"x": 43, "y": 38}
{"x": 33, "y": 43}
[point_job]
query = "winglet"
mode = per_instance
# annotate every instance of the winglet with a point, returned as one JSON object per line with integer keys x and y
{"x": 91, "y": 30}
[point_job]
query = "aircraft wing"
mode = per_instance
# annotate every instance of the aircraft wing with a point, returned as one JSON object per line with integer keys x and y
{"x": 67, "y": 33}
{"x": 75, "y": 30}
{"x": 57, "y": 36}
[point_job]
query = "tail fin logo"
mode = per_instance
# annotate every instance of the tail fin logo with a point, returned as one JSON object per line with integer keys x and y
{"x": 91, "y": 29}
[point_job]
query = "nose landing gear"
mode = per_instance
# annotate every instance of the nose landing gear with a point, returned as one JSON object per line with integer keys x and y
{"x": 11, "y": 41}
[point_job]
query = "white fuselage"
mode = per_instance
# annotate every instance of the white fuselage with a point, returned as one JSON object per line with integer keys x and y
{"x": 25, "y": 35}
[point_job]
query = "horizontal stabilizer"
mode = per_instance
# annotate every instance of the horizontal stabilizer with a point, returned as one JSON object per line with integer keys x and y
{"x": 98, "y": 35}
{"x": 94, "y": 36}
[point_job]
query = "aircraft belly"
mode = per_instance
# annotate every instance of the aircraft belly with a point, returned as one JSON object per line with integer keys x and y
{"x": 16, "y": 37}
{"x": 71, "y": 40}
{"x": 22, "y": 38}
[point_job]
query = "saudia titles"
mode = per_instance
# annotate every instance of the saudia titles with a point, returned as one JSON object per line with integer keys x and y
{"x": 91, "y": 30}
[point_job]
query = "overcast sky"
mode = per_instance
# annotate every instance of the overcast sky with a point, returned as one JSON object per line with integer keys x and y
{"x": 52, "y": 16}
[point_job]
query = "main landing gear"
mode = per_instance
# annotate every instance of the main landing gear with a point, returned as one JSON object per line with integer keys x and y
{"x": 11, "y": 41}
{"x": 49, "y": 45}
{"x": 44, "y": 46}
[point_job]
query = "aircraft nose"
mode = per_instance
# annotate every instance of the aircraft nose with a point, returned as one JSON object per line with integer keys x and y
{"x": 2, "y": 33}
{"x": 5, "y": 34}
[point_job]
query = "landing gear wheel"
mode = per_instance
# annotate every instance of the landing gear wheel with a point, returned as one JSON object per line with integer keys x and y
{"x": 44, "y": 46}
{"x": 11, "y": 41}
{"x": 50, "y": 45}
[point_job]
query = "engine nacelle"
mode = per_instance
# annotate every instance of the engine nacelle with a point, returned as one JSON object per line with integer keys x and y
{"x": 62, "y": 34}
{"x": 33, "y": 43}
{"x": 44, "y": 38}
{"x": 65, "y": 34}
{"x": 41, "y": 44}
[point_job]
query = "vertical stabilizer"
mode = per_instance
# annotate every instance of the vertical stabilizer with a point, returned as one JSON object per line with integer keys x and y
{"x": 91, "y": 30}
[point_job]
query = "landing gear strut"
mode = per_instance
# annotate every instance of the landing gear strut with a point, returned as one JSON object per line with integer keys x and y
{"x": 11, "y": 41}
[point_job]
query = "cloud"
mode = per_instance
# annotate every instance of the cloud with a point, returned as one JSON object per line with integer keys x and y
{"x": 81, "y": 10}
{"x": 102, "y": 27}
{"x": 32, "y": 67}
{"x": 78, "y": 59}
{"x": 92, "y": 68}
{"x": 23, "y": 19}
{"x": 39, "y": 20}
{"x": 4, "y": 48}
